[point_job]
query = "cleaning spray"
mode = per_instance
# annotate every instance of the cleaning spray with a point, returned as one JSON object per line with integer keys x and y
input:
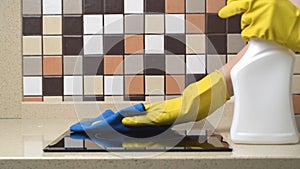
{"x": 263, "y": 111}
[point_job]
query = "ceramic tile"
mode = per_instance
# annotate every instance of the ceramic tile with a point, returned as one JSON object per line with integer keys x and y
{"x": 195, "y": 23}
{"x": 214, "y": 6}
{"x": 93, "y": 85}
{"x": 175, "y": 23}
{"x": 175, "y": 44}
{"x": 113, "y": 85}
{"x": 73, "y": 98}
{"x": 52, "y": 86}
{"x": 195, "y": 44}
{"x": 154, "y": 44}
{"x": 93, "y": 6}
{"x": 93, "y": 24}
{"x": 53, "y": 99}
{"x": 114, "y": 6}
{"x": 113, "y": 64}
{"x": 72, "y": 25}
{"x": 32, "y": 86}
{"x": 32, "y": 26}
{"x": 93, "y": 65}
{"x": 32, "y": 99}
{"x": 32, "y": 66}
{"x": 175, "y": 84}
{"x": 72, "y": 65}
{"x": 155, "y": 6}
{"x": 215, "y": 62}
{"x": 295, "y": 84}
{"x": 134, "y": 98}
{"x": 52, "y": 45}
{"x": 134, "y": 64}
{"x": 113, "y": 44}
{"x": 134, "y": 85}
{"x": 31, "y": 7}
{"x": 175, "y": 6}
{"x": 52, "y": 6}
{"x": 52, "y": 25}
{"x": 296, "y": 103}
{"x": 175, "y": 64}
{"x": 52, "y": 65}
{"x": 195, "y": 6}
{"x": 216, "y": 44}
{"x": 134, "y": 44}
{"x": 192, "y": 78}
{"x": 32, "y": 45}
{"x": 154, "y": 64}
{"x": 133, "y": 6}
{"x": 73, "y": 85}
{"x": 195, "y": 64}
{"x": 72, "y": 45}
{"x": 154, "y": 99}
{"x": 134, "y": 24}
{"x": 113, "y": 24}
{"x": 297, "y": 64}
{"x": 93, "y": 98}
{"x": 235, "y": 43}
{"x": 93, "y": 44}
{"x": 72, "y": 6}
{"x": 154, "y": 23}
{"x": 215, "y": 24}
{"x": 234, "y": 24}
{"x": 154, "y": 85}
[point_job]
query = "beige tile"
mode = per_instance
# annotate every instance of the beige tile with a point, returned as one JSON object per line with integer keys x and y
{"x": 52, "y": 25}
{"x": 114, "y": 99}
{"x": 195, "y": 44}
{"x": 53, "y": 99}
{"x": 154, "y": 23}
{"x": 93, "y": 85}
{"x": 297, "y": 64}
{"x": 52, "y": 45}
{"x": 154, "y": 85}
{"x": 296, "y": 84}
{"x": 235, "y": 43}
{"x": 32, "y": 45}
{"x": 153, "y": 99}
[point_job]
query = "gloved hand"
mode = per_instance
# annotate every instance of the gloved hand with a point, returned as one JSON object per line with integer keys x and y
{"x": 276, "y": 20}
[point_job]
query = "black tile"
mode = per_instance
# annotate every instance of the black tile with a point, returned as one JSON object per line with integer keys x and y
{"x": 154, "y": 64}
{"x": 72, "y": 25}
{"x": 72, "y": 45}
{"x": 52, "y": 86}
{"x": 113, "y": 44}
{"x": 215, "y": 24}
{"x": 114, "y": 6}
{"x": 175, "y": 44}
{"x": 191, "y": 78}
{"x": 93, "y": 98}
{"x": 154, "y": 6}
{"x": 32, "y": 25}
{"x": 216, "y": 44}
{"x": 134, "y": 98}
{"x": 234, "y": 24}
{"x": 93, "y": 65}
{"x": 93, "y": 6}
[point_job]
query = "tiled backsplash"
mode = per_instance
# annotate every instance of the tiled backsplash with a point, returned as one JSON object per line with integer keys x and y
{"x": 99, "y": 50}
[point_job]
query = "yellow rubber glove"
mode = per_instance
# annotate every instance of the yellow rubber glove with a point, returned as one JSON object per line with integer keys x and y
{"x": 276, "y": 20}
{"x": 198, "y": 100}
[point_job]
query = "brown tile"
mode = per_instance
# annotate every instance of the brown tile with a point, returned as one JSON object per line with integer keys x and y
{"x": 134, "y": 44}
{"x": 52, "y": 65}
{"x": 296, "y": 100}
{"x": 33, "y": 99}
{"x": 195, "y": 23}
{"x": 134, "y": 85}
{"x": 175, "y": 84}
{"x": 213, "y": 6}
{"x": 175, "y": 6}
{"x": 113, "y": 64}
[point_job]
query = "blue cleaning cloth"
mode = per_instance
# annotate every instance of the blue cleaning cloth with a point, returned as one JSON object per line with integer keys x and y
{"x": 79, "y": 127}
{"x": 114, "y": 123}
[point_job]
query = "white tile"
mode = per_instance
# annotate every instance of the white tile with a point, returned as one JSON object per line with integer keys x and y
{"x": 73, "y": 85}
{"x": 93, "y": 24}
{"x": 175, "y": 23}
{"x": 113, "y": 24}
{"x": 93, "y": 44}
{"x": 154, "y": 44}
{"x": 52, "y": 7}
{"x": 32, "y": 86}
{"x": 113, "y": 85}
{"x": 134, "y": 6}
{"x": 195, "y": 64}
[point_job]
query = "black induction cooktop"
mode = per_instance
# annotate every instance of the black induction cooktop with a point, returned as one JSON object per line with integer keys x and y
{"x": 172, "y": 140}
